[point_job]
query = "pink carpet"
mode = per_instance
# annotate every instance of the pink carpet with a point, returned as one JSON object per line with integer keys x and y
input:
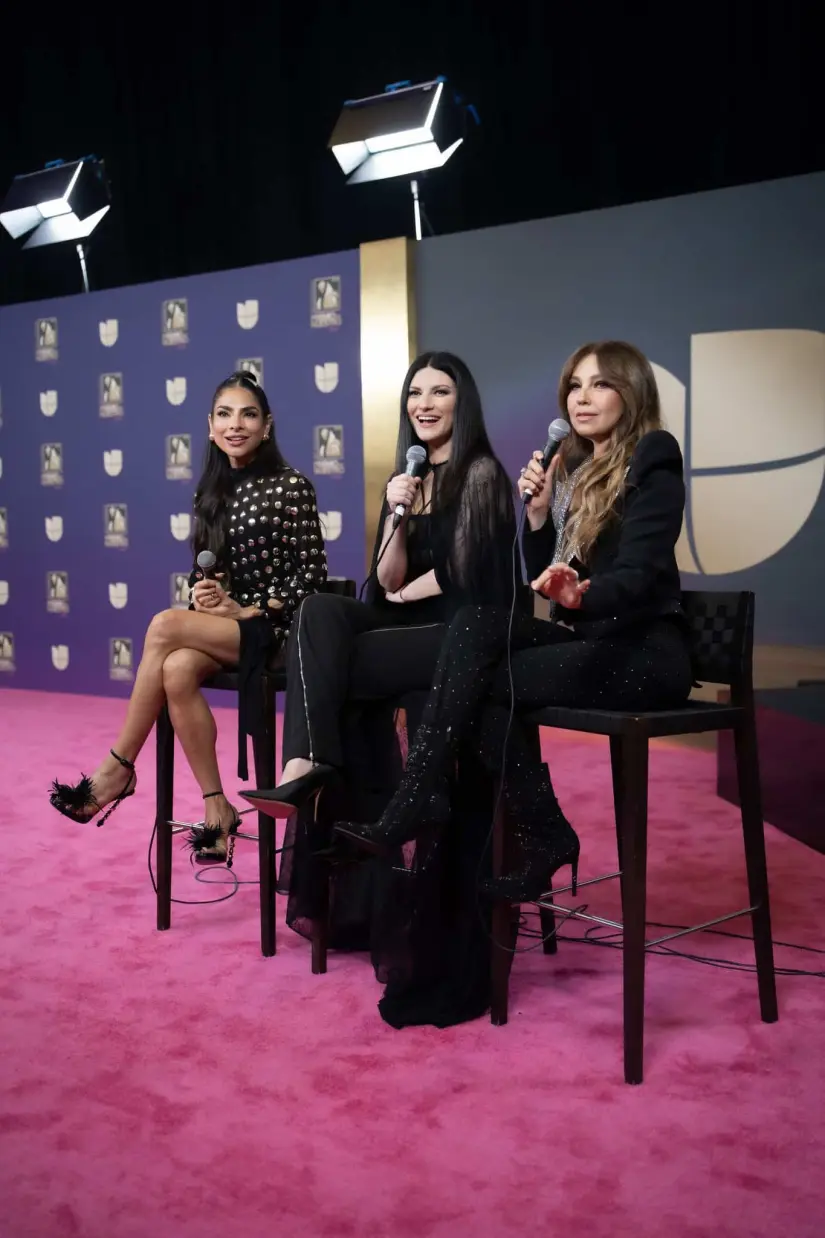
{"x": 179, "y": 1084}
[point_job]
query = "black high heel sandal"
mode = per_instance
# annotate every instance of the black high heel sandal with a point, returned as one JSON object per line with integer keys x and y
{"x": 202, "y": 840}
{"x": 286, "y": 799}
{"x": 73, "y": 801}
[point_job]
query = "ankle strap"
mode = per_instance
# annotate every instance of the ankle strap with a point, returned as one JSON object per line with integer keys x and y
{"x": 126, "y": 764}
{"x": 211, "y": 794}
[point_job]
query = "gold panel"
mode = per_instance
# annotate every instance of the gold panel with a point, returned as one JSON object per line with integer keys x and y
{"x": 388, "y": 345}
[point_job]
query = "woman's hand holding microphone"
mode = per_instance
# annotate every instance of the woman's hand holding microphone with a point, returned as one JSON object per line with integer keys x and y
{"x": 559, "y": 582}
{"x": 401, "y": 492}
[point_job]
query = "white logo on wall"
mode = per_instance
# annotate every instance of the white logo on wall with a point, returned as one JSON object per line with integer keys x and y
{"x": 326, "y": 376}
{"x": 118, "y": 594}
{"x": 179, "y": 457}
{"x": 328, "y": 450}
{"x": 330, "y": 525}
{"x": 6, "y": 651}
{"x": 51, "y": 464}
{"x": 4, "y": 529}
{"x": 179, "y": 590}
{"x": 247, "y": 314}
{"x": 120, "y": 658}
{"x": 181, "y": 525}
{"x": 45, "y": 339}
{"x": 749, "y": 494}
{"x": 115, "y": 526}
{"x": 325, "y": 301}
{"x": 54, "y": 528}
{"x": 255, "y": 366}
{"x": 108, "y": 332}
{"x": 57, "y": 593}
{"x": 4, "y": 592}
{"x": 48, "y": 403}
{"x": 175, "y": 322}
{"x": 176, "y": 390}
{"x": 60, "y": 657}
{"x": 110, "y": 398}
{"x": 113, "y": 462}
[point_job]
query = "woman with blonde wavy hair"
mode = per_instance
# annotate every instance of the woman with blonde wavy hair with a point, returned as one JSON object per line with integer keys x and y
{"x": 599, "y": 543}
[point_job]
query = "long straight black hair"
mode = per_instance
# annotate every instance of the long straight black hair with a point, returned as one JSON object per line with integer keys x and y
{"x": 470, "y": 439}
{"x": 218, "y": 476}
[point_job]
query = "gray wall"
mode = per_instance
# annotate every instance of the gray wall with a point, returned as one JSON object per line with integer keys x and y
{"x": 516, "y": 301}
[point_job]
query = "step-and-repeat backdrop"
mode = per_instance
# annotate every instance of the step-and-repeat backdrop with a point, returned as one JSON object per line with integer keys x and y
{"x": 103, "y": 419}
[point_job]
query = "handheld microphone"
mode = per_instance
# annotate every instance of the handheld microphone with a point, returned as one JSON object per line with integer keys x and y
{"x": 206, "y": 562}
{"x": 557, "y": 432}
{"x": 416, "y": 459}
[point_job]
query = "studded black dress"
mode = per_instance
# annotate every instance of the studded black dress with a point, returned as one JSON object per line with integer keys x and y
{"x": 274, "y": 558}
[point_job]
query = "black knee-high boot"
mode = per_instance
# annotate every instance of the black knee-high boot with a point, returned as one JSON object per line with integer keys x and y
{"x": 472, "y": 650}
{"x": 546, "y": 841}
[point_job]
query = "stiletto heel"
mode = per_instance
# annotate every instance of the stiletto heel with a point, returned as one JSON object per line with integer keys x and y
{"x": 203, "y": 840}
{"x": 575, "y": 876}
{"x": 284, "y": 800}
{"x": 72, "y": 802}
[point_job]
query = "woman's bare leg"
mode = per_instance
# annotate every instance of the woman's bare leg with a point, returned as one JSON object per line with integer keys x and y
{"x": 296, "y": 768}
{"x": 169, "y": 631}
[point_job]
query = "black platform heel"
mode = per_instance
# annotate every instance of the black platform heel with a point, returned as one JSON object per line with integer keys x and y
{"x": 203, "y": 840}
{"x": 284, "y": 800}
{"x": 547, "y": 842}
{"x": 72, "y": 802}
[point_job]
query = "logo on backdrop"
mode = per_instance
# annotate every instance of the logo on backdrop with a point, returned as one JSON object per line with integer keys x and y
{"x": 111, "y": 395}
{"x": 328, "y": 450}
{"x": 175, "y": 322}
{"x": 51, "y": 464}
{"x": 181, "y": 526}
{"x": 45, "y": 339}
{"x": 179, "y": 590}
{"x": 48, "y": 403}
{"x": 179, "y": 457}
{"x": 60, "y": 657}
{"x": 247, "y": 314}
{"x": 330, "y": 525}
{"x": 255, "y": 365}
{"x": 740, "y": 480}
{"x": 57, "y": 593}
{"x": 120, "y": 658}
{"x": 4, "y": 592}
{"x": 113, "y": 462}
{"x": 115, "y": 526}
{"x": 118, "y": 595}
{"x": 54, "y": 528}
{"x": 176, "y": 390}
{"x": 108, "y": 332}
{"x": 6, "y": 651}
{"x": 325, "y": 301}
{"x": 4, "y": 529}
{"x": 326, "y": 376}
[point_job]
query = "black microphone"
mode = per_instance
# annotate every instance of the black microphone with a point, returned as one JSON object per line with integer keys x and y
{"x": 557, "y": 432}
{"x": 416, "y": 459}
{"x": 206, "y": 562}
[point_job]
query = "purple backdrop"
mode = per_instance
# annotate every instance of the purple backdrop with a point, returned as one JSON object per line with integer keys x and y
{"x": 102, "y": 429}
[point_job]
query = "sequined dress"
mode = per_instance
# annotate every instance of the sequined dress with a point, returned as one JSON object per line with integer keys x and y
{"x": 275, "y": 554}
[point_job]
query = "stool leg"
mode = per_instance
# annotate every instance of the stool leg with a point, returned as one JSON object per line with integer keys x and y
{"x": 633, "y": 831}
{"x": 320, "y": 934}
{"x": 263, "y": 748}
{"x": 753, "y": 829}
{"x": 618, "y": 792}
{"x": 164, "y": 813}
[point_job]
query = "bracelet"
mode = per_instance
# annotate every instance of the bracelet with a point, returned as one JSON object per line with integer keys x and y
{"x": 401, "y": 597}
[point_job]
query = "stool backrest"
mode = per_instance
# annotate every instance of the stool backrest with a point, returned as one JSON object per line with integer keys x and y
{"x": 721, "y": 639}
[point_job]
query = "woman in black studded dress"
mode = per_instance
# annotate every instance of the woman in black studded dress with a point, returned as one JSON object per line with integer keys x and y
{"x": 259, "y": 518}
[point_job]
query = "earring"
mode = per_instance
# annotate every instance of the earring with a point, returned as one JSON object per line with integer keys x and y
{"x": 211, "y": 438}
{"x": 266, "y": 438}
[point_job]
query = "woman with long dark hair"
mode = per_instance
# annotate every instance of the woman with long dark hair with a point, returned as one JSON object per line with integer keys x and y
{"x": 450, "y": 548}
{"x": 600, "y": 541}
{"x": 258, "y": 518}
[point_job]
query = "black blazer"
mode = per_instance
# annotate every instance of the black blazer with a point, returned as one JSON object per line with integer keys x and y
{"x": 632, "y": 565}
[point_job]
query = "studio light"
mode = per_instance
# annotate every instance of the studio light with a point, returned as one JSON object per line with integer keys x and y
{"x": 406, "y": 130}
{"x": 62, "y": 202}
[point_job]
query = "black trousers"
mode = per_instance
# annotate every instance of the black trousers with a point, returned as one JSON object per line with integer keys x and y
{"x": 340, "y": 652}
